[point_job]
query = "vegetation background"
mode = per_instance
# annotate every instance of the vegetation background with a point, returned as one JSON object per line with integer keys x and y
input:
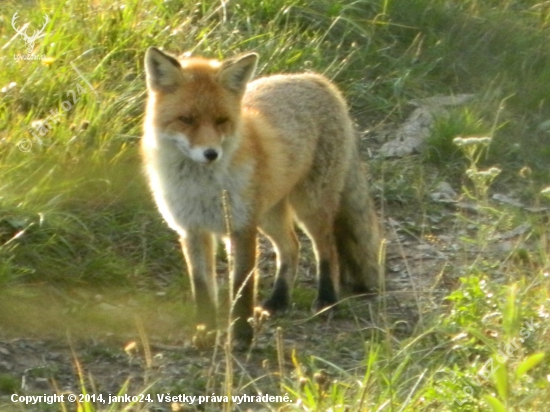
{"x": 86, "y": 259}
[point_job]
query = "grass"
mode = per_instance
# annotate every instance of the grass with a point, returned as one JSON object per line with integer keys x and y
{"x": 77, "y": 221}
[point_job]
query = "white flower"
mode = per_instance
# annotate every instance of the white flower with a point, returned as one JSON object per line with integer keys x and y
{"x": 471, "y": 141}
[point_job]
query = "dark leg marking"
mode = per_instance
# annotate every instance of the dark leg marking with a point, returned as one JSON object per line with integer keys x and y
{"x": 280, "y": 296}
{"x": 326, "y": 292}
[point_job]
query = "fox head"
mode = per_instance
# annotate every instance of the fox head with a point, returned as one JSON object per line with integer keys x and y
{"x": 195, "y": 103}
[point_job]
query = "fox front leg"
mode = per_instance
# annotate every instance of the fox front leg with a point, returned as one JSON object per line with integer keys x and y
{"x": 199, "y": 251}
{"x": 243, "y": 243}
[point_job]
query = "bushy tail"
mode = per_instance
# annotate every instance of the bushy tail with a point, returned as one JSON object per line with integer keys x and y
{"x": 356, "y": 230}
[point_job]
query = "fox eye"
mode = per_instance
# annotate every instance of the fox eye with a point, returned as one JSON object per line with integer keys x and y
{"x": 188, "y": 120}
{"x": 221, "y": 120}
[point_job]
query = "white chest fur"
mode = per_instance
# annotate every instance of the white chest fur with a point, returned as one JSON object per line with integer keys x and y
{"x": 189, "y": 194}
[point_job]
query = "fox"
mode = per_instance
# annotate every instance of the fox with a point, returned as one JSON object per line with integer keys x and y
{"x": 265, "y": 155}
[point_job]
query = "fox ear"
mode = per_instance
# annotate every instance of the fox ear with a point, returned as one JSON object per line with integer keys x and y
{"x": 235, "y": 73}
{"x": 163, "y": 71}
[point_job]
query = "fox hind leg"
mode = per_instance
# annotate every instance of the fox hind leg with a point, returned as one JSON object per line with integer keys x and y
{"x": 278, "y": 226}
{"x": 243, "y": 243}
{"x": 319, "y": 227}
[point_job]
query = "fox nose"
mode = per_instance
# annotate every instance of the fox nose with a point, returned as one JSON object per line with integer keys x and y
{"x": 210, "y": 154}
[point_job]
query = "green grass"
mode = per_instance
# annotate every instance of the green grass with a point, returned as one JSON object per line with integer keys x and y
{"x": 75, "y": 212}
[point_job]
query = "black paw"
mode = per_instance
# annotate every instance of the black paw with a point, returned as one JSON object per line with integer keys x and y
{"x": 326, "y": 295}
{"x": 243, "y": 335}
{"x": 275, "y": 305}
{"x": 279, "y": 300}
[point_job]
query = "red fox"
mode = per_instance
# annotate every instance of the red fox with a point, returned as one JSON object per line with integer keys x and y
{"x": 284, "y": 151}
